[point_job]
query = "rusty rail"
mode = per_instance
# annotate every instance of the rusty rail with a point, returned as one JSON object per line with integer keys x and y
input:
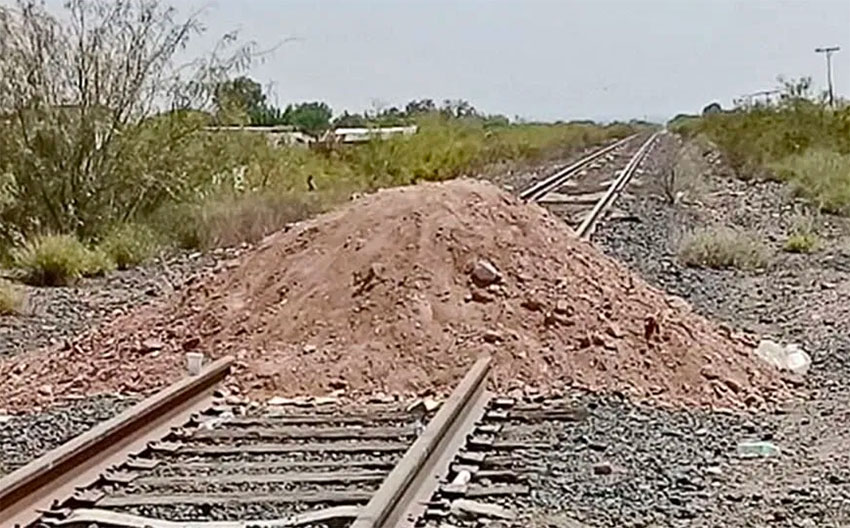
{"x": 53, "y": 477}
{"x": 586, "y": 228}
{"x": 401, "y": 497}
{"x": 543, "y": 187}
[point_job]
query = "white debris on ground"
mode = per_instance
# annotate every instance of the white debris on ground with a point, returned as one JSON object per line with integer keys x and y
{"x": 790, "y": 357}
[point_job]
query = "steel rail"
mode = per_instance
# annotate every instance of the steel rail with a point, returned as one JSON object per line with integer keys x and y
{"x": 400, "y": 498}
{"x": 545, "y": 186}
{"x": 52, "y": 478}
{"x": 586, "y": 227}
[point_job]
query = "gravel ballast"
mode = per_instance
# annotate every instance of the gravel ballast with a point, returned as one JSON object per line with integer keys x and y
{"x": 28, "y": 436}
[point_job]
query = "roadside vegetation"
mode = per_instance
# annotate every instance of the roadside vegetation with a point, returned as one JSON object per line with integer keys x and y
{"x": 723, "y": 247}
{"x": 12, "y": 298}
{"x": 803, "y": 237}
{"x": 796, "y": 138}
{"x": 106, "y": 156}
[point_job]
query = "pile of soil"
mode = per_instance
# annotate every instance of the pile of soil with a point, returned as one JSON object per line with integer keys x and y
{"x": 399, "y": 292}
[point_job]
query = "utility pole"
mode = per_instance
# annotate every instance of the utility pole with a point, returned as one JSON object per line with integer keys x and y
{"x": 828, "y": 52}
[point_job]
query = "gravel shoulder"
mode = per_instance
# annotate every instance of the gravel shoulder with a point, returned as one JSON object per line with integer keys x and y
{"x": 28, "y": 436}
{"x": 53, "y": 316}
{"x": 796, "y": 298}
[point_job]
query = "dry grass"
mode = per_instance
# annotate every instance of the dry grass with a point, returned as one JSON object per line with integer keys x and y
{"x": 723, "y": 247}
{"x": 59, "y": 260}
{"x": 804, "y": 236}
{"x": 233, "y": 220}
{"x": 130, "y": 244}
{"x": 822, "y": 176}
{"x": 12, "y": 298}
{"x": 684, "y": 179}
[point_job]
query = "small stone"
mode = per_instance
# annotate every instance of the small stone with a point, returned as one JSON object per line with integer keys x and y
{"x": 613, "y": 330}
{"x": 308, "y": 349}
{"x": 470, "y": 508}
{"x": 481, "y": 297}
{"x": 603, "y": 468}
{"x": 492, "y": 336}
{"x": 532, "y": 305}
{"x": 757, "y": 449}
{"x": 338, "y": 384}
{"x": 554, "y": 319}
{"x": 597, "y": 446}
{"x": 152, "y": 345}
{"x": 714, "y": 471}
{"x": 563, "y": 307}
{"x": 733, "y": 385}
{"x": 191, "y": 343}
{"x": 46, "y": 390}
{"x": 424, "y": 405}
{"x": 484, "y": 273}
{"x": 709, "y": 373}
{"x": 280, "y": 400}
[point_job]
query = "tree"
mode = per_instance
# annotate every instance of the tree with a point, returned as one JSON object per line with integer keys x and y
{"x": 346, "y": 120}
{"x": 713, "y": 108}
{"x": 84, "y": 141}
{"x": 313, "y": 118}
{"x": 421, "y": 106}
{"x": 458, "y": 108}
{"x": 240, "y": 99}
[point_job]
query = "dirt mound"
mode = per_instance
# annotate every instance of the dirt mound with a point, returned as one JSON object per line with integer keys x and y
{"x": 399, "y": 292}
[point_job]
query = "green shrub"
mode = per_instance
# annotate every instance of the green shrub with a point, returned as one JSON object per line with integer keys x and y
{"x": 801, "y": 243}
{"x": 128, "y": 245}
{"x": 804, "y": 237}
{"x": 12, "y": 298}
{"x": 820, "y": 175}
{"x": 58, "y": 260}
{"x": 723, "y": 247}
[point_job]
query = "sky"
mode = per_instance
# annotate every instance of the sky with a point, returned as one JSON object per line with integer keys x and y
{"x": 537, "y": 59}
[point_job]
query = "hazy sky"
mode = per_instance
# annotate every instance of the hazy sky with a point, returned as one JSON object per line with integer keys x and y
{"x": 540, "y": 59}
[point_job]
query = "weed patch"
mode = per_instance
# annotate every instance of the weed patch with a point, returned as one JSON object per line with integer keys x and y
{"x": 723, "y": 247}
{"x": 12, "y": 298}
{"x": 59, "y": 260}
{"x": 804, "y": 236}
{"x": 128, "y": 245}
{"x": 822, "y": 176}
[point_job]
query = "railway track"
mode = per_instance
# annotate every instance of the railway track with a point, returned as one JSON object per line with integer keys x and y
{"x": 185, "y": 458}
{"x": 582, "y": 192}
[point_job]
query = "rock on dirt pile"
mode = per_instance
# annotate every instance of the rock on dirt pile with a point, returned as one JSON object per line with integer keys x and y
{"x": 399, "y": 292}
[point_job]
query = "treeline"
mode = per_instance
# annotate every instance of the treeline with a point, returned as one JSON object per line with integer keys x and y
{"x": 242, "y": 101}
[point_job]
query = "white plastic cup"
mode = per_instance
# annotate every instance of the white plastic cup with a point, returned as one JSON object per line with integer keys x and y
{"x": 194, "y": 362}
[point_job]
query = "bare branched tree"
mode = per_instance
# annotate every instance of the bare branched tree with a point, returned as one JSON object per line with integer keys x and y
{"x": 97, "y": 118}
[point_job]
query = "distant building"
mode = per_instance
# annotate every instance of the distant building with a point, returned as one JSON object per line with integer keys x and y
{"x": 360, "y": 135}
{"x": 276, "y": 135}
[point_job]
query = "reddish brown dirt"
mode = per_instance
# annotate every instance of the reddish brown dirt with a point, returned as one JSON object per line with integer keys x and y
{"x": 378, "y": 296}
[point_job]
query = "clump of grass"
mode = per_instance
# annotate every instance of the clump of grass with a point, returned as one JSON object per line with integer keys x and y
{"x": 723, "y": 247}
{"x": 12, "y": 298}
{"x": 820, "y": 175}
{"x": 804, "y": 237}
{"x": 59, "y": 260}
{"x": 128, "y": 245}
